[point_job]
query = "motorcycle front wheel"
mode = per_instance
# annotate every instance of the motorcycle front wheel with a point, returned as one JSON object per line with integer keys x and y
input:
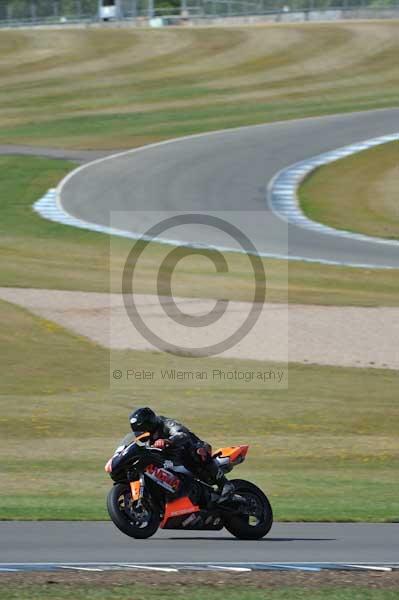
{"x": 139, "y": 522}
{"x": 256, "y": 519}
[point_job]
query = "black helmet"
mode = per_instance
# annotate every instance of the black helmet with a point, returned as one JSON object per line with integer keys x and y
{"x": 142, "y": 420}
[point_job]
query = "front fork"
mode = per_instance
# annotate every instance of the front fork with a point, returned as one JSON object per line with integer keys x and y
{"x": 137, "y": 489}
{"x": 137, "y": 493}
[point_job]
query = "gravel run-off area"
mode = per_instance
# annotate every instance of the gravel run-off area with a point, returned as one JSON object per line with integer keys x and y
{"x": 266, "y": 579}
{"x": 325, "y": 335}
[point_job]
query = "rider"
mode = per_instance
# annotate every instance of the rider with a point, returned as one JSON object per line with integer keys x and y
{"x": 195, "y": 454}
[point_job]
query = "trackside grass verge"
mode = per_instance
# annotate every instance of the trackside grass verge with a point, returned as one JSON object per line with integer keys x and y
{"x": 41, "y": 254}
{"x": 219, "y": 591}
{"x": 325, "y": 449}
{"x": 358, "y": 193}
{"x": 122, "y": 88}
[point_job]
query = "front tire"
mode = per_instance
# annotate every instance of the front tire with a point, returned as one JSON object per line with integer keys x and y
{"x": 127, "y": 520}
{"x": 242, "y": 526}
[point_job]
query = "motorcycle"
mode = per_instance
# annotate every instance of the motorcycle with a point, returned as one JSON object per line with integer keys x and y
{"x": 153, "y": 491}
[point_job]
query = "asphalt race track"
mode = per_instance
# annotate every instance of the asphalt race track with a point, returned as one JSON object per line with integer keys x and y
{"x": 229, "y": 171}
{"x": 287, "y": 542}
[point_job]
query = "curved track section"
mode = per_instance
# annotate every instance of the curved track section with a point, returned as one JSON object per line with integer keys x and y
{"x": 229, "y": 170}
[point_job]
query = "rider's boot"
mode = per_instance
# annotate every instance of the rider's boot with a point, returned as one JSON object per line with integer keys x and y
{"x": 225, "y": 487}
{"x": 217, "y": 476}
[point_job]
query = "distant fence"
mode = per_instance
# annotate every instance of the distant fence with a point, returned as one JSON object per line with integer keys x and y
{"x": 14, "y": 13}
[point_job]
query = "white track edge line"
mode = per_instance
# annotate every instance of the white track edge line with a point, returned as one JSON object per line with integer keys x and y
{"x": 76, "y": 568}
{"x": 235, "y": 569}
{"x": 295, "y": 567}
{"x": 368, "y": 567}
{"x": 149, "y": 568}
{"x": 388, "y": 564}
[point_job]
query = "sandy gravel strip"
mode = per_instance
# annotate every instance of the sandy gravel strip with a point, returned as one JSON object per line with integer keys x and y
{"x": 325, "y": 335}
{"x": 254, "y": 580}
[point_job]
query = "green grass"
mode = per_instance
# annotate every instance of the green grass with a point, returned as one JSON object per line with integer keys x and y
{"x": 93, "y": 131}
{"x": 38, "y": 253}
{"x": 358, "y": 193}
{"x": 24, "y": 373}
{"x": 114, "y": 88}
{"x": 24, "y": 591}
{"x": 323, "y": 449}
{"x": 42, "y": 254}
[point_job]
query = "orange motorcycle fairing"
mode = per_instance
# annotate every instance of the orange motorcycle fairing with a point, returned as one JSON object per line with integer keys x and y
{"x": 177, "y": 508}
{"x": 235, "y": 453}
{"x": 135, "y": 489}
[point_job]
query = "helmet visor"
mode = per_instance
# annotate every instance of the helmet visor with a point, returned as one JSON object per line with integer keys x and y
{"x": 139, "y": 427}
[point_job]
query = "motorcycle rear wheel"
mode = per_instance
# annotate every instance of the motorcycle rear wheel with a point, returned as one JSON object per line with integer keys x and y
{"x": 124, "y": 518}
{"x": 240, "y": 526}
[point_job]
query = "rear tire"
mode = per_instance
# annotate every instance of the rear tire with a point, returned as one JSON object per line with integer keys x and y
{"x": 239, "y": 526}
{"x": 124, "y": 521}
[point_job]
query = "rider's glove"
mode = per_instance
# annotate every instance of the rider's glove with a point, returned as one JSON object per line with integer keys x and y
{"x": 161, "y": 444}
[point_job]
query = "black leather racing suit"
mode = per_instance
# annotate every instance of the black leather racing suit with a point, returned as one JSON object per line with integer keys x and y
{"x": 184, "y": 445}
